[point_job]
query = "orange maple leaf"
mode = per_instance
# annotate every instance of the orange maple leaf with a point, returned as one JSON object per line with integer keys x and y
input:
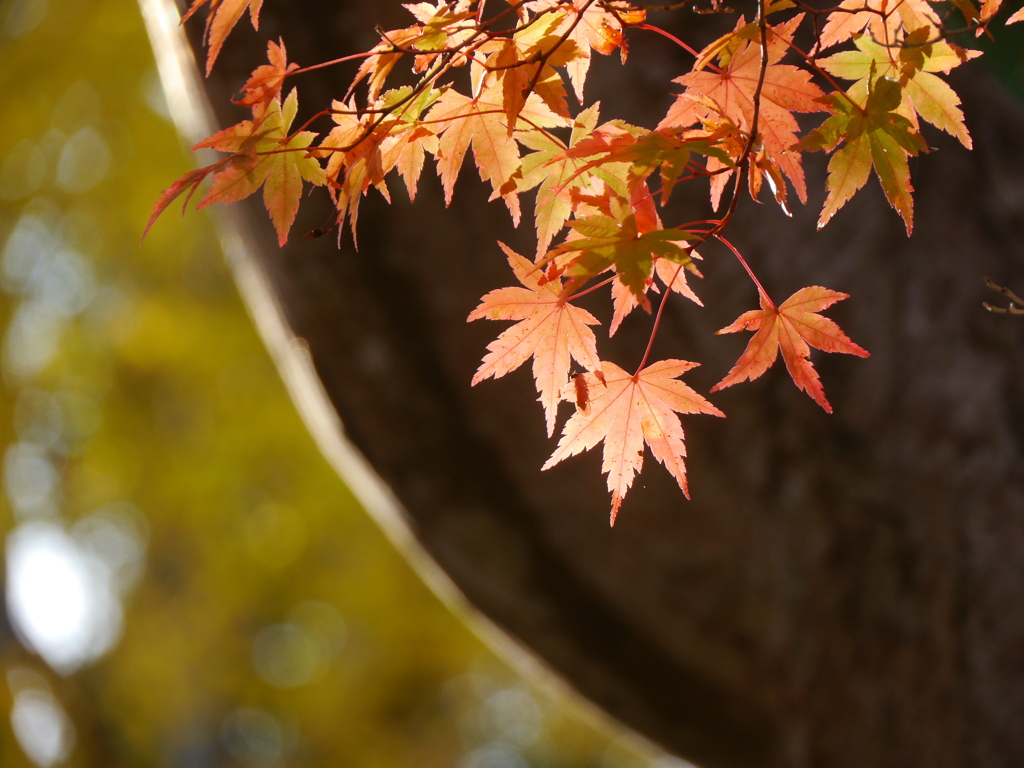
{"x": 524, "y": 64}
{"x": 672, "y": 274}
{"x": 362, "y": 150}
{"x": 626, "y": 411}
{"x": 188, "y": 183}
{"x": 481, "y": 122}
{"x": 224, "y": 14}
{"x": 884, "y": 20}
{"x": 793, "y": 327}
{"x": 786, "y": 89}
{"x": 267, "y": 80}
{"x": 554, "y": 174}
{"x": 592, "y": 26}
{"x": 549, "y": 329}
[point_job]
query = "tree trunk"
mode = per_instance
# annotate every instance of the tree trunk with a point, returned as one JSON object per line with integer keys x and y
{"x": 842, "y": 591}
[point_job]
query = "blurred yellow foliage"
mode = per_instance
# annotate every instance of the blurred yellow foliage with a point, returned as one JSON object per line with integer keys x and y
{"x": 258, "y": 617}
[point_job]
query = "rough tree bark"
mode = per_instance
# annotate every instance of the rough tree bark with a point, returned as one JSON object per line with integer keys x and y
{"x": 842, "y": 590}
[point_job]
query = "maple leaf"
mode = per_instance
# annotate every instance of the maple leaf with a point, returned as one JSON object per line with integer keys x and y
{"x": 549, "y": 329}
{"x": 409, "y": 139}
{"x": 786, "y": 89}
{"x": 673, "y": 275}
{"x": 555, "y": 173}
{"x": 439, "y": 28}
{"x": 267, "y": 80}
{"x": 265, "y": 155}
{"x": 644, "y": 152}
{"x": 793, "y": 327}
{"x": 626, "y": 411}
{"x": 884, "y": 20}
{"x": 524, "y": 64}
{"x": 437, "y": 21}
{"x": 382, "y": 59}
{"x": 874, "y": 136}
{"x": 480, "y": 122}
{"x": 923, "y": 94}
{"x": 188, "y": 182}
{"x": 621, "y": 242}
{"x": 1018, "y": 16}
{"x": 362, "y": 150}
{"x": 223, "y": 16}
{"x": 591, "y": 26}
{"x": 354, "y": 164}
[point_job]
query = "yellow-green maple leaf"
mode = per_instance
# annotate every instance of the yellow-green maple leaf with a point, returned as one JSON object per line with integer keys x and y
{"x": 924, "y": 94}
{"x": 266, "y": 156}
{"x": 873, "y": 135}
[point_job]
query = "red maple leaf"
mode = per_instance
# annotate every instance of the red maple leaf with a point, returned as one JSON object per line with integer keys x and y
{"x": 793, "y": 327}
{"x": 626, "y": 411}
{"x": 549, "y": 329}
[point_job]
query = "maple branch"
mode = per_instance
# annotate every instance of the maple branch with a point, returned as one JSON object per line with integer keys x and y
{"x": 342, "y": 60}
{"x": 741, "y": 164}
{"x": 740, "y": 172}
{"x": 738, "y": 255}
{"x": 314, "y": 118}
{"x": 1016, "y": 305}
{"x": 674, "y": 39}
{"x": 593, "y": 288}
{"x": 762, "y": 23}
{"x": 751, "y": 140}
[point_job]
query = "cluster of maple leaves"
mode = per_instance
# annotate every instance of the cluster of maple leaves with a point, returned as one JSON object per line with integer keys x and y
{"x": 731, "y": 126}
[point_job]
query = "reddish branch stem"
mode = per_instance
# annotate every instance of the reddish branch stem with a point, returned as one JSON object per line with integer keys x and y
{"x": 674, "y": 39}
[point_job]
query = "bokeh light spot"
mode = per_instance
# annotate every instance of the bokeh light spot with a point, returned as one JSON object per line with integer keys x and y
{"x": 60, "y": 597}
{"x": 494, "y": 755}
{"x": 84, "y": 161}
{"x": 253, "y": 737}
{"x": 288, "y": 655}
{"x": 42, "y": 728}
{"x": 23, "y": 16}
{"x": 23, "y": 171}
{"x": 30, "y": 480}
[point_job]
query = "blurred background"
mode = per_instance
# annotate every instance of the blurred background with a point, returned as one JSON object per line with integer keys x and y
{"x": 185, "y": 581}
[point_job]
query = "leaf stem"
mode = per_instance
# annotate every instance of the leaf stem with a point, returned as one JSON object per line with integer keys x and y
{"x": 674, "y": 39}
{"x": 590, "y": 289}
{"x": 657, "y": 321}
{"x": 736, "y": 253}
{"x": 342, "y": 60}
